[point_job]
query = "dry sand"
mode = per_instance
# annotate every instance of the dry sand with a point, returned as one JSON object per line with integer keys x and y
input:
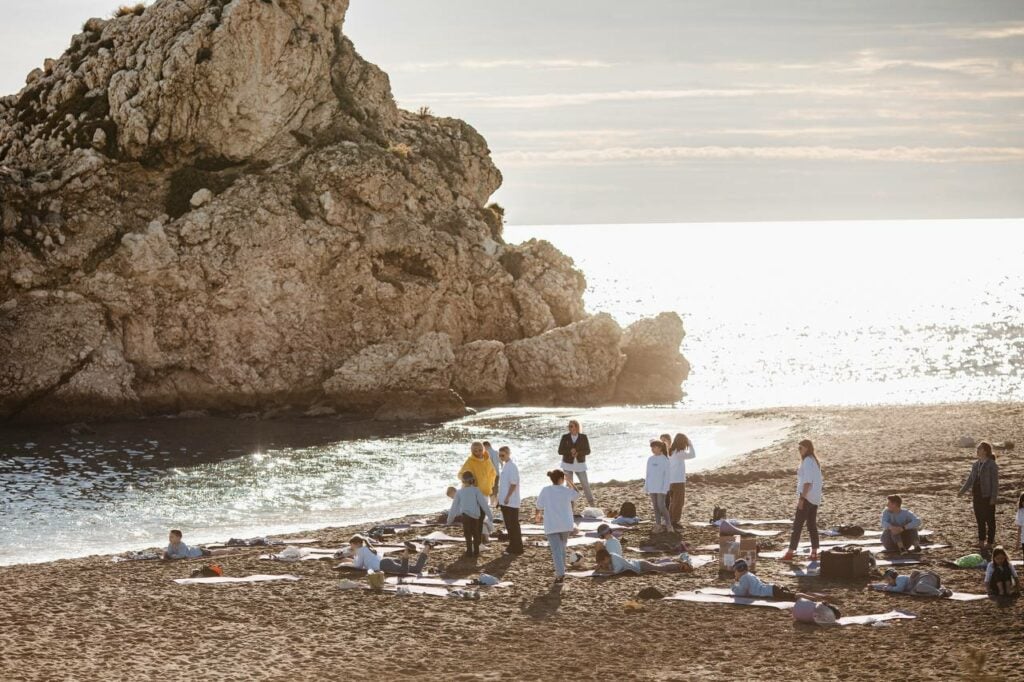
{"x": 93, "y": 619}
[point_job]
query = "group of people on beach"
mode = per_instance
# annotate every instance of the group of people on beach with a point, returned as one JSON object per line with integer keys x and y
{"x": 490, "y": 478}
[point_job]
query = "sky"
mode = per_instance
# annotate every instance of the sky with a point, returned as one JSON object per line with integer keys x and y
{"x": 694, "y": 111}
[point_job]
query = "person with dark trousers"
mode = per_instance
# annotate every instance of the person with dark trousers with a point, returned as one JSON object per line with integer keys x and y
{"x": 809, "y": 484}
{"x": 508, "y": 500}
{"x": 574, "y": 448}
{"x": 983, "y": 482}
{"x": 899, "y": 526}
{"x": 471, "y": 504}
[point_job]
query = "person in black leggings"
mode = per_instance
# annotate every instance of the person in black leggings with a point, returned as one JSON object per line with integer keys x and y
{"x": 809, "y": 485}
{"x": 983, "y": 482}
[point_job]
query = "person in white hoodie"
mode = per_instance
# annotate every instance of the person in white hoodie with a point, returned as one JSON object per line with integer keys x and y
{"x": 679, "y": 451}
{"x": 656, "y": 484}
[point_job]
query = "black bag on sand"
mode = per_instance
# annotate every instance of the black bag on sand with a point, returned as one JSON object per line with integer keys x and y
{"x": 627, "y": 510}
{"x": 846, "y": 562}
{"x": 850, "y": 531}
{"x": 718, "y": 514}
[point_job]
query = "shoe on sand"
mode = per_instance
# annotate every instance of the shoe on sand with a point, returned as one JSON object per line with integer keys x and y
{"x": 788, "y": 556}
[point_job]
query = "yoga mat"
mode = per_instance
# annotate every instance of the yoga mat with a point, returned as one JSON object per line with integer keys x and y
{"x": 956, "y": 596}
{"x": 661, "y": 550}
{"x": 874, "y": 618}
{"x": 813, "y": 569}
{"x": 573, "y": 542}
{"x": 415, "y": 589}
{"x": 439, "y": 582}
{"x": 868, "y": 533}
{"x": 695, "y": 561}
{"x": 746, "y": 522}
{"x": 440, "y": 536}
{"x": 733, "y": 530}
{"x": 705, "y": 598}
{"x": 222, "y": 579}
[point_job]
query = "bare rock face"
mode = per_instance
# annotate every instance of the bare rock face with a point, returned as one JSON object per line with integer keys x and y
{"x": 654, "y": 369}
{"x": 575, "y": 365}
{"x": 481, "y": 372}
{"x": 216, "y": 205}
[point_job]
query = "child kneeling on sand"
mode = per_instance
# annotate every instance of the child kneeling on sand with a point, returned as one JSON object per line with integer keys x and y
{"x": 609, "y": 562}
{"x": 749, "y": 585}
{"x": 365, "y": 557}
{"x": 1000, "y": 576}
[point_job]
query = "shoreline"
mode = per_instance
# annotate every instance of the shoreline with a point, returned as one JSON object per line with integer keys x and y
{"x": 741, "y": 434}
{"x": 114, "y": 620}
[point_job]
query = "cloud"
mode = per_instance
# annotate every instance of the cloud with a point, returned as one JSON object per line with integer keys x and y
{"x": 795, "y": 153}
{"x": 926, "y": 91}
{"x": 996, "y": 33}
{"x": 489, "y": 64}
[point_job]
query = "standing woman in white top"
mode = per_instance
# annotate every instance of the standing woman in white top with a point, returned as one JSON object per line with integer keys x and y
{"x": 680, "y": 451}
{"x": 656, "y": 484}
{"x": 554, "y": 507}
{"x": 809, "y": 484}
{"x": 574, "y": 448}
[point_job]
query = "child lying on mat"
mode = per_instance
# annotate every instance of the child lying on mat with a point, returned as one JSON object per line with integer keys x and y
{"x": 612, "y": 564}
{"x": 749, "y": 585}
{"x": 924, "y": 583}
{"x": 1000, "y": 575}
{"x": 365, "y": 557}
{"x": 176, "y": 549}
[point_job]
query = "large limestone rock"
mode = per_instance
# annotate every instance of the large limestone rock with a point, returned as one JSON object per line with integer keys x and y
{"x": 216, "y": 205}
{"x": 654, "y": 369}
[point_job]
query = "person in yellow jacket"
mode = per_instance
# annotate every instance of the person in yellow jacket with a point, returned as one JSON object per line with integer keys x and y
{"x": 479, "y": 463}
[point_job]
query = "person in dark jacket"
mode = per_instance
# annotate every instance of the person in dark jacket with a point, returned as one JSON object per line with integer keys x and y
{"x": 574, "y": 448}
{"x": 983, "y": 482}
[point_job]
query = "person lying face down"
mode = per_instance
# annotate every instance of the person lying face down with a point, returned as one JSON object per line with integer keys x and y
{"x": 176, "y": 549}
{"x": 749, "y": 585}
{"x": 614, "y": 564}
{"x": 611, "y": 543}
{"x": 365, "y": 557}
{"x": 924, "y": 583}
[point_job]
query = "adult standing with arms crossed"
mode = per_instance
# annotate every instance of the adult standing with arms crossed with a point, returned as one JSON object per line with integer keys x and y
{"x": 574, "y": 448}
{"x": 983, "y": 482}
{"x": 554, "y": 508}
{"x": 809, "y": 484}
{"x": 508, "y": 500}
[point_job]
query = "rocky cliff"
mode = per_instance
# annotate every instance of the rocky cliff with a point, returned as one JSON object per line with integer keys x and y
{"x": 216, "y": 205}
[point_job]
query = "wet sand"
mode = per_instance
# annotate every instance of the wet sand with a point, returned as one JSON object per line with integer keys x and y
{"x": 93, "y": 619}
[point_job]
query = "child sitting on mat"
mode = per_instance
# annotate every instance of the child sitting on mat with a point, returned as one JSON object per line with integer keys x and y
{"x": 1000, "y": 576}
{"x": 749, "y": 585}
{"x": 610, "y": 563}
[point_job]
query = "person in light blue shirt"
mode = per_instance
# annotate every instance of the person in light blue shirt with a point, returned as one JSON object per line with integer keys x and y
{"x": 899, "y": 527}
{"x": 471, "y": 504}
{"x": 749, "y": 585}
{"x": 176, "y": 549}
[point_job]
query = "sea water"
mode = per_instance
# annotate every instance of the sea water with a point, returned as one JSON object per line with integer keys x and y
{"x": 776, "y": 314}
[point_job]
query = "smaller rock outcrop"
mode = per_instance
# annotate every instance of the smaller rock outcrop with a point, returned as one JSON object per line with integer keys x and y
{"x": 654, "y": 369}
{"x": 572, "y": 365}
{"x": 481, "y": 372}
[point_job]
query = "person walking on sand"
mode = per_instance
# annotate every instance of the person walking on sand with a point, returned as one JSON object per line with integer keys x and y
{"x": 656, "y": 484}
{"x": 509, "y": 500}
{"x": 809, "y": 484}
{"x": 574, "y": 448}
{"x": 899, "y": 527}
{"x": 983, "y": 482}
{"x": 554, "y": 508}
{"x": 679, "y": 451}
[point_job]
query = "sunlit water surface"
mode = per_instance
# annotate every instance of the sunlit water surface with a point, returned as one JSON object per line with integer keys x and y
{"x": 776, "y": 314}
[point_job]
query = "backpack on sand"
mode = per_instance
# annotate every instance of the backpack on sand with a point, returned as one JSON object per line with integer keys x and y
{"x": 628, "y": 510}
{"x": 846, "y": 562}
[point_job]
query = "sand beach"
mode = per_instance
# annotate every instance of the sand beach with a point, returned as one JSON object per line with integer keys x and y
{"x": 93, "y": 619}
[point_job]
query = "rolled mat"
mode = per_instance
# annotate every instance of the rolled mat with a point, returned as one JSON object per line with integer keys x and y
{"x": 221, "y": 580}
